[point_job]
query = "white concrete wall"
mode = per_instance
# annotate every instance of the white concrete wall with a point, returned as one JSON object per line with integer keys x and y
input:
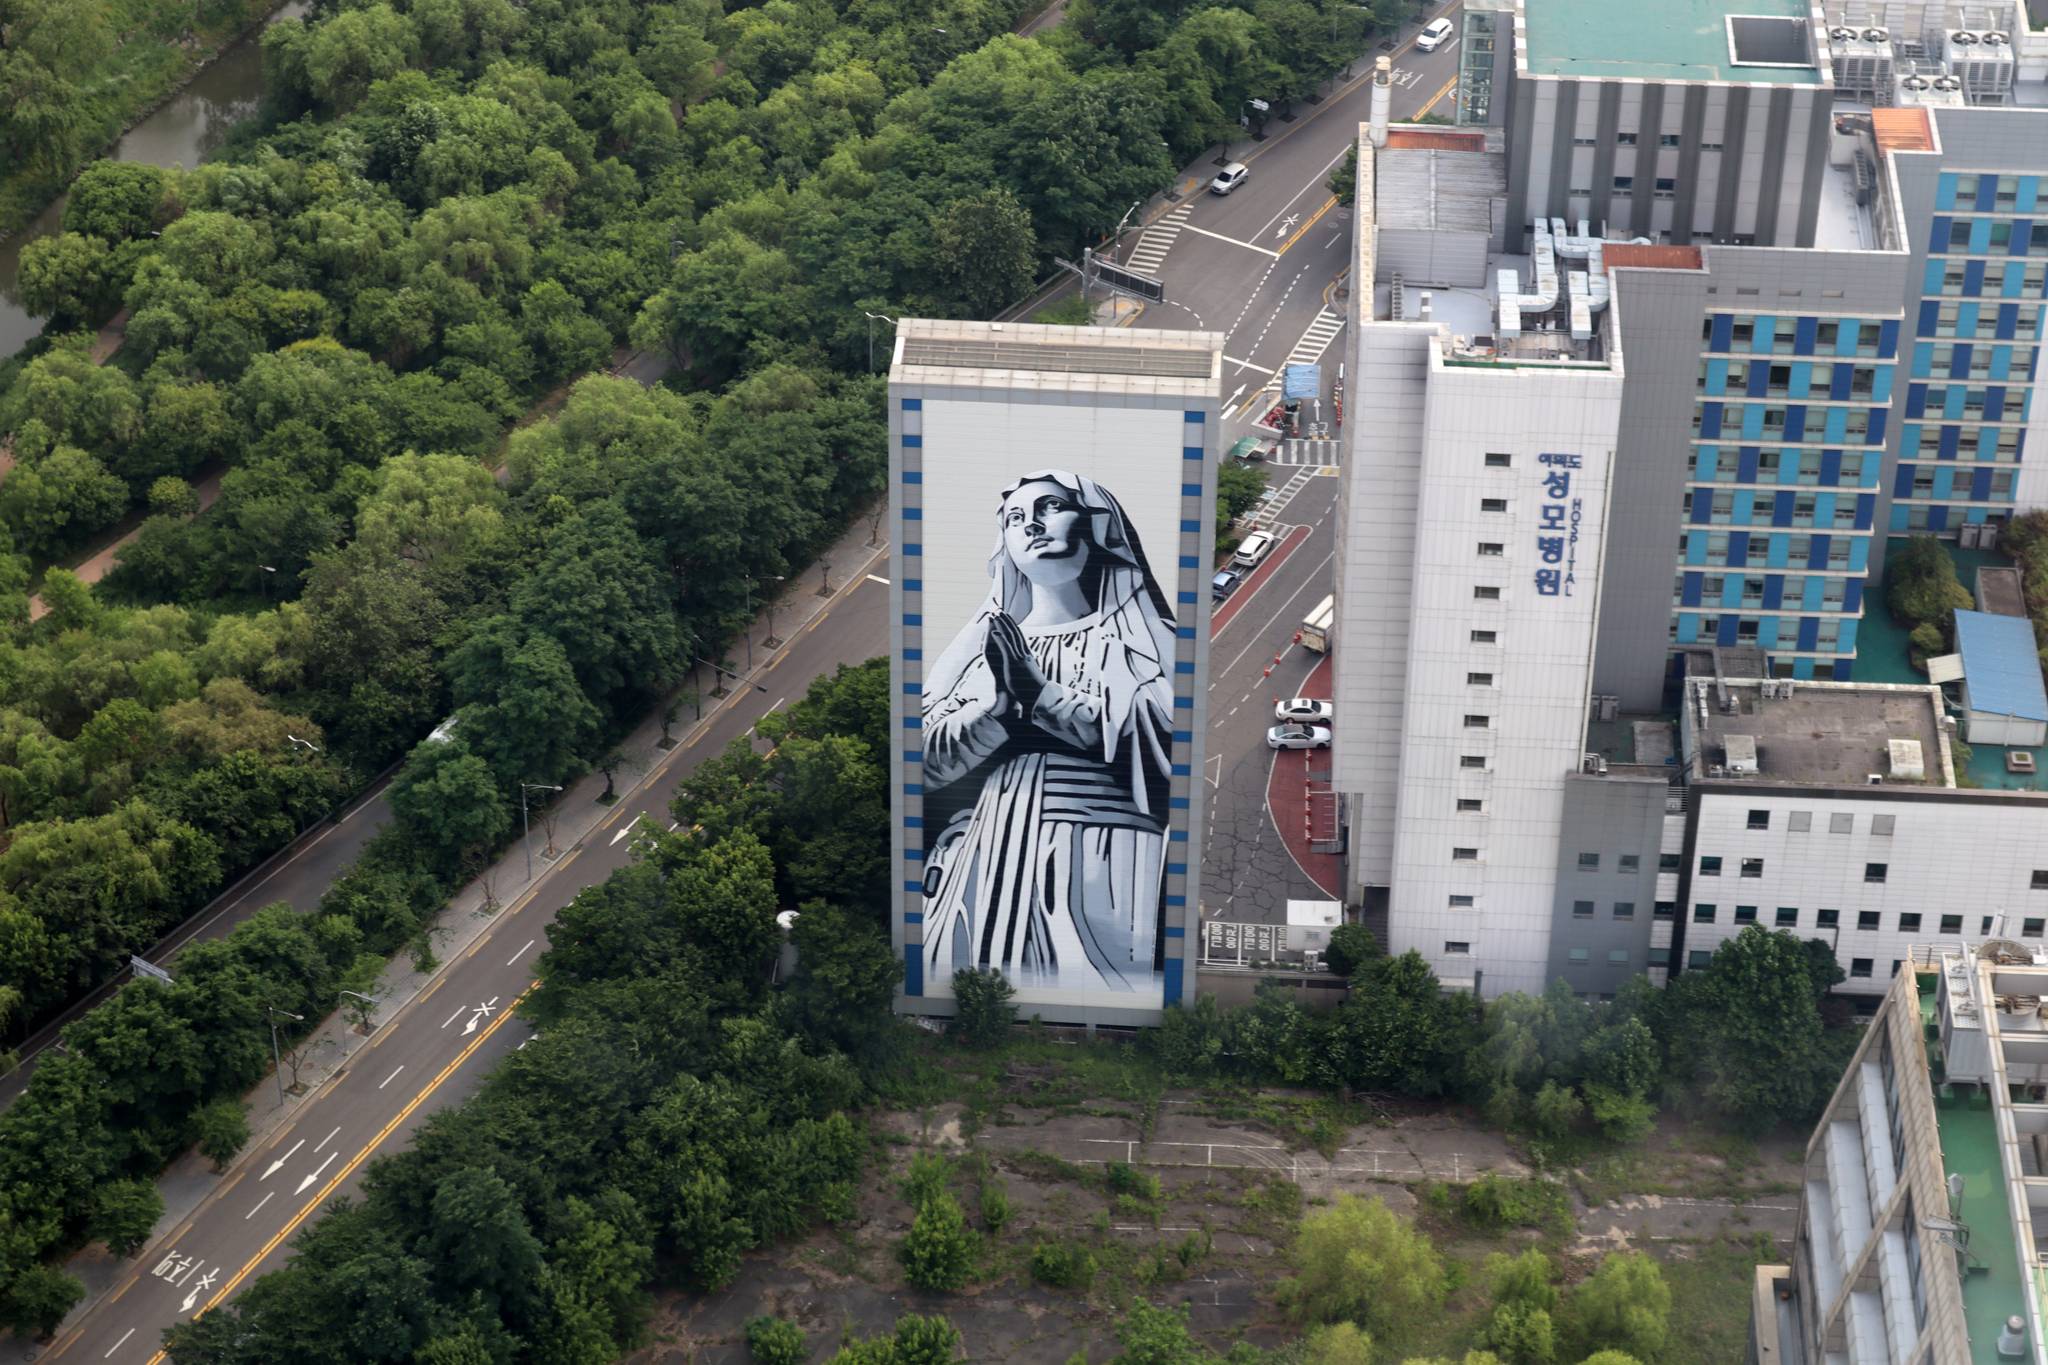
{"x": 1948, "y": 854}
{"x": 1540, "y": 663}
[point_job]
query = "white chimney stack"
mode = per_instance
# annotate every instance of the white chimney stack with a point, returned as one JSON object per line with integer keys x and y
{"x": 1382, "y": 98}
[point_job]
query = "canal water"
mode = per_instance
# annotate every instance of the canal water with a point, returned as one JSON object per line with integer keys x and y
{"x": 181, "y": 133}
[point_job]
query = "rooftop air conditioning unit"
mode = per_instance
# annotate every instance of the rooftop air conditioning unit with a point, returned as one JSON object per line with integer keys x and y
{"x": 1962, "y": 38}
{"x": 1593, "y": 765}
{"x": 1873, "y": 779}
{"x": 1947, "y": 83}
{"x": 1877, "y": 35}
{"x": 1841, "y": 35}
{"x": 1915, "y": 83}
{"x": 1996, "y": 39}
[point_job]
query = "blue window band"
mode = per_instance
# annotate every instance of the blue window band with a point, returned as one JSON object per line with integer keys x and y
{"x": 913, "y": 789}
{"x": 1190, "y": 415}
{"x": 910, "y": 442}
{"x": 911, "y": 618}
{"x": 913, "y": 405}
{"x": 913, "y": 476}
{"x": 913, "y": 917}
{"x": 913, "y": 548}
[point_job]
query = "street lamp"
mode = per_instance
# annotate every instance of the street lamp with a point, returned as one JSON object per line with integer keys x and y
{"x": 526, "y": 823}
{"x": 771, "y": 641}
{"x": 272, "y": 571}
{"x": 276, "y": 1056}
{"x": 308, "y": 745}
{"x": 874, "y": 318}
{"x": 369, "y": 1000}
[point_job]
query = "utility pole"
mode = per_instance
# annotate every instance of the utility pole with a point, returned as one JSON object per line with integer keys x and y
{"x": 276, "y": 1054}
{"x": 526, "y": 822}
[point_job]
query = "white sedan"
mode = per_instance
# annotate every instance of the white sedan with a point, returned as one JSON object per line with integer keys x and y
{"x": 1434, "y": 35}
{"x": 1298, "y": 737}
{"x": 1305, "y": 710}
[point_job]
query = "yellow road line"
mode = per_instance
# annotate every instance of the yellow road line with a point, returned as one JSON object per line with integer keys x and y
{"x": 1437, "y": 98}
{"x": 346, "y": 1171}
{"x": 1313, "y": 219}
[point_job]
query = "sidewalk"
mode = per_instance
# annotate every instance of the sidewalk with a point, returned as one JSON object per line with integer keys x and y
{"x": 190, "y": 1178}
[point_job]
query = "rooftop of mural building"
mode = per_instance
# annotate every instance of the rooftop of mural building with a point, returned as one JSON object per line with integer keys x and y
{"x": 1672, "y": 40}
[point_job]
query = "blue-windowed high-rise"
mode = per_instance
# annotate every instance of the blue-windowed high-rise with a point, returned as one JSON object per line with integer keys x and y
{"x": 1789, "y": 428}
{"x": 1975, "y": 346}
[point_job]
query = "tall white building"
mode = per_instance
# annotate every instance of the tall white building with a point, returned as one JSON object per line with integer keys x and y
{"x": 1475, "y": 507}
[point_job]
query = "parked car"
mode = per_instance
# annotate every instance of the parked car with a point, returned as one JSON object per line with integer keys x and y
{"x": 1305, "y": 710}
{"x": 1434, "y": 35}
{"x": 1250, "y": 450}
{"x": 1224, "y": 584}
{"x": 1298, "y": 737}
{"x": 1252, "y": 549}
{"x": 1230, "y": 177}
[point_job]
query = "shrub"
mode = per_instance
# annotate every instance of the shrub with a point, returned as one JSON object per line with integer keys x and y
{"x": 222, "y": 1130}
{"x": 1624, "y": 1305}
{"x": 939, "y": 1252}
{"x": 1124, "y": 1178}
{"x": 1521, "y": 1334}
{"x": 1359, "y": 1260}
{"x": 1062, "y": 1265}
{"x": 922, "y": 1340}
{"x": 982, "y": 1012}
{"x": 1351, "y": 947}
{"x": 776, "y": 1341}
{"x": 995, "y": 1205}
{"x": 926, "y": 1179}
{"x": 1494, "y": 1201}
{"x": 1340, "y": 1343}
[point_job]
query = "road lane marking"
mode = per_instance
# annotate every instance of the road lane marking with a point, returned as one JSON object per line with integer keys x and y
{"x": 259, "y": 1206}
{"x": 1263, "y": 251}
{"x": 521, "y": 953}
{"x": 1242, "y": 365}
{"x": 345, "y": 1172}
{"x": 1313, "y": 219}
{"x": 1333, "y": 239}
{"x": 308, "y": 1181}
{"x": 393, "y": 1076}
{"x": 1314, "y": 579}
{"x": 453, "y": 1017}
{"x": 271, "y": 1169}
{"x": 329, "y": 1138}
{"x": 877, "y": 578}
{"x": 119, "y": 1344}
{"x": 1434, "y": 100}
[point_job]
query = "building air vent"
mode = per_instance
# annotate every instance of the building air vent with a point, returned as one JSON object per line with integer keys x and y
{"x": 1741, "y": 755}
{"x": 1907, "y": 763}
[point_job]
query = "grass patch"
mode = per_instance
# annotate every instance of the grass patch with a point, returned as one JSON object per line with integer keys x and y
{"x": 1710, "y": 1291}
{"x": 1320, "y": 1122}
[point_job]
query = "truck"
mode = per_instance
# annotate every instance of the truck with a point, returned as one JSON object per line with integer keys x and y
{"x": 1315, "y": 630}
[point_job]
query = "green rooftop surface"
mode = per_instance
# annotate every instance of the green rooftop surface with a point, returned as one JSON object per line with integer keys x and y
{"x": 1669, "y": 40}
{"x": 1993, "y": 1288}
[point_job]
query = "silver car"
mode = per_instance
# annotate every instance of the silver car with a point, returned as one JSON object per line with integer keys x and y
{"x": 1305, "y": 711}
{"x": 1298, "y": 737}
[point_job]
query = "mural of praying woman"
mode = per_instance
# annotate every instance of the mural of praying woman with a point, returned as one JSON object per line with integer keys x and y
{"x": 1047, "y": 753}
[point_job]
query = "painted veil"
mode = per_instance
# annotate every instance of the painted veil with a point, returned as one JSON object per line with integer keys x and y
{"x": 1045, "y": 836}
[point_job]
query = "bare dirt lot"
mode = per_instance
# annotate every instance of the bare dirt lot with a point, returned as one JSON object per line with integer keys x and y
{"x": 1234, "y": 1170}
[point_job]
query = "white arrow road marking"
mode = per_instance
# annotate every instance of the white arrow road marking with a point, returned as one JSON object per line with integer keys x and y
{"x": 392, "y": 1077}
{"x": 204, "y": 1283}
{"x": 483, "y": 1012}
{"x": 259, "y": 1207}
{"x": 1287, "y": 225}
{"x": 271, "y": 1170}
{"x": 522, "y": 952}
{"x": 307, "y": 1183}
{"x": 119, "y": 1344}
{"x": 329, "y": 1138}
{"x": 624, "y": 830}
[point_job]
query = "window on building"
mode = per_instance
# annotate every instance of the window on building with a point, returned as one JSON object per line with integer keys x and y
{"x": 1788, "y": 917}
{"x": 1618, "y": 956}
{"x": 1700, "y": 957}
{"x": 1759, "y": 819}
{"x": 1629, "y": 862}
{"x": 1580, "y": 954}
{"x": 1703, "y": 913}
{"x": 1951, "y": 924}
{"x": 2031, "y": 928}
{"x": 1625, "y": 139}
{"x": 1498, "y": 460}
{"x": 1479, "y": 680}
{"x": 1827, "y": 919}
{"x": 1485, "y": 637}
{"x": 1842, "y": 822}
{"x": 1875, "y": 872}
{"x": 1471, "y": 760}
{"x": 1984, "y": 926}
{"x": 1710, "y": 865}
{"x": 1660, "y": 957}
{"x": 1868, "y": 920}
{"x": 1454, "y": 947}
{"x": 1664, "y": 188}
{"x": 1799, "y": 821}
{"x": 1469, "y": 804}
{"x": 1475, "y": 721}
{"x": 1624, "y": 909}
{"x": 1664, "y": 910}
{"x": 1582, "y": 909}
{"x": 1589, "y": 862}
{"x": 1464, "y": 855}
{"x": 1493, "y": 504}
{"x": 1745, "y": 914}
{"x": 1486, "y": 594}
{"x": 1909, "y": 923}
{"x": 1462, "y": 902}
{"x": 2039, "y": 881}
{"x": 1492, "y": 548}
{"x": 1670, "y": 862}
{"x": 1667, "y": 139}
{"x": 1752, "y": 867}
{"x": 1882, "y": 824}
{"x": 1859, "y": 966}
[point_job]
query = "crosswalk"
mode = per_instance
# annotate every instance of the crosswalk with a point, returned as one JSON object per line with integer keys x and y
{"x": 1316, "y": 339}
{"x": 1305, "y": 451}
{"x": 1276, "y": 500}
{"x": 1157, "y": 240}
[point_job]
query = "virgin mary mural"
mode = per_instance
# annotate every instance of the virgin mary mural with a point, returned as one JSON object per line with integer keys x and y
{"x": 1048, "y": 752}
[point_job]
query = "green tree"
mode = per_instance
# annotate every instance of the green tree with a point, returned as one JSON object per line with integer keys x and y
{"x": 124, "y": 1213}
{"x": 1624, "y": 1306}
{"x": 221, "y": 1130}
{"x": 450, "y": 799}
{"x": 1157, "y": 1336}
{"x": 982, "y": 1012}
{"x": 1359, "y": 1260}
{"x": 1921, "y": 587}
{"x": 1238, "y": 489}
{"x": 1338, "y": 1343}
{"x": 1351, "y": 947}
{"x": 64, "y": 278}
{"x": 1397, "y": 1030}
{"x": 925, "y": 1340}
{"x": 776, "y": 1341}
{"x": 938, "y": 1252}
{"x": 985, "y": 251}
{"x": 1521, "y": 1334}
{"x": 1770, "y": 1061}
{"x": 39, "y": 1299}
